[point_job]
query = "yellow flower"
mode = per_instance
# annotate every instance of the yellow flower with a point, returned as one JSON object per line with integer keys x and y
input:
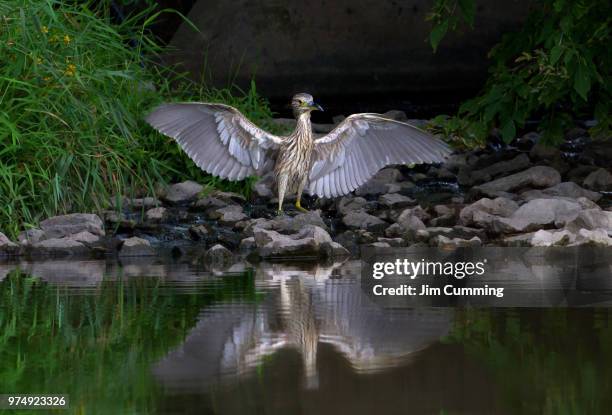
{"x": 70, "y": 70}
{"x": 38, "y": 61}
{"x": 53, "y": 39}
{"x": 67, "y": 39}
{"x": 44, "y": 29}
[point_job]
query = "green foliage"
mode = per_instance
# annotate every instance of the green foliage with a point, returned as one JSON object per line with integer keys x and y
{"x": 544, "y": 361}
{"x": 447, "y": 15}
{"x": 98, "y": 346}
{"x": 556, "y": 67}
{"x": 74, "y": 89}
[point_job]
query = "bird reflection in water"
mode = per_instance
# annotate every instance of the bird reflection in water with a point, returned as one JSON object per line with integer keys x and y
{"x": 305, "y": 306}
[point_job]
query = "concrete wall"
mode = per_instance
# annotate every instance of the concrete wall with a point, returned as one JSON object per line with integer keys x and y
{"x": 340, "y": 48}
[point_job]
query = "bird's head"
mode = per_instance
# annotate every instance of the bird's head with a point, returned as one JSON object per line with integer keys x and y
{"x": 304, "y": 103}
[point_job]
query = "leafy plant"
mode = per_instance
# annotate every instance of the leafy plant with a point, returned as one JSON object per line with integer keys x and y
{"x": 74, "y": 89}
{"x": 556, "y": 67}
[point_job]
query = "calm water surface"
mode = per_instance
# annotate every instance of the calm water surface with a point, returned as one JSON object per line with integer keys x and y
{"x": 166, "y": 337}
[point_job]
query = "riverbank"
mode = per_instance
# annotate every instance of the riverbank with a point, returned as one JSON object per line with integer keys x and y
{"x": 524, "y": 194}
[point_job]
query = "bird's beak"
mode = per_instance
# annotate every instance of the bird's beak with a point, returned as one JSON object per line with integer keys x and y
{"x": 315, "y": 107}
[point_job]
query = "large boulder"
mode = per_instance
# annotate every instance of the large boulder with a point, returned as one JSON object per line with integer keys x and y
{"x": 65, "y": 225}
{"x": 534, "y": 177}
{"x": 591, "y": 219}
{"x": 484, "y": 211}
{"x": 600, "y": 179}
{"x": 58, "y": 247}
{"x": 565, "y": 189}
{"x": 311, "y": 241}
{"x": 182, "y": 193}
{"x": 539, "y": 213}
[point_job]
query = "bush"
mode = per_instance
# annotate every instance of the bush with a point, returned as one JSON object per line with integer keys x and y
{"x": 557, "y": 68}
{"x": 74, "y": 88}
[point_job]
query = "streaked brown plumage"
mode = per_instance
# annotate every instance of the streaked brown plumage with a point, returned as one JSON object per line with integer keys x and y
{"x": 223, "y": 142}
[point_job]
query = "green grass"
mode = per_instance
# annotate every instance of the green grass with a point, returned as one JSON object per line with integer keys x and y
{"x": 73, "y": 95}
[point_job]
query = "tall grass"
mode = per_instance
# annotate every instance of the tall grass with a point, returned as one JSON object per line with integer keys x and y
{"x": 74, "y": 88}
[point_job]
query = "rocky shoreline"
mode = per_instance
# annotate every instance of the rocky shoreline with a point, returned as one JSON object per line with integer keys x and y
{"x": 524, "y": 194}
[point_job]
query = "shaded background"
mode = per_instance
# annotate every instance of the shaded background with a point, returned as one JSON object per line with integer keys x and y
{"x": 353, "y": 55}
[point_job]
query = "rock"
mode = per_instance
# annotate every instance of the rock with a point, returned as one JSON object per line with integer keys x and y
{"x": 543, "y": 152}
{"x": 594, "y": 237}
{"x": 156, "y": 214}
{"x": 143, "y": 203}
{"x": 396, "y": 115}
{"x": 310, "y": 241}
{"x": 264, "y": 188}
{"x": 299, "y": 221}
{"x": 444, "y": 220}
{"x": 31, "y": 236}
{"x": 228, "y": 215}
{"x": 552, "y": 238}
{"x": 482, "y": 212}
{"x": 199, "y": 232}
{"x": 7, "y": 247}
{"x": 118, "y": 220}
{"x": 538, "y": 213}
{"x": 218, "y": 256}
{"x": 523, "y": 239}
{"x": 395, "y": 201}
{"x": 417, "y": 211}
{"x": 135, "y": 246}
{"x": 410, "y": 221}
{"x": 247, "y": 245}
{"x": 388, "y": 175}
{"x": 363, "y": 220}
{"x": 379, "y": 245}
{"x": 565, "y": 189}
{"x": 397, "y": 230}
{"x": 85, "y": 237}
{"x": 591, "y": 219}
{"x": 372, "y": 187}
{"x": 443, "y": 242}
{"x": 349, "y": 204}
{"x": 393, "y": 242}
{"x": 600, "y": 179}
{"x": 229, "y": 197}
{"x": 59, "y": 247}
{"x": 182, "y": 193}
{"x": 338, "y": 251}
{"x": 538, "y": 177}
{"x": 210, "y": 202}
{"x": 59, "y": 226}
{"x": 501, "y": 168}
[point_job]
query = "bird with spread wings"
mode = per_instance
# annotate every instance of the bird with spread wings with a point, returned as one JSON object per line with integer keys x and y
{"x": 223, "y": 142}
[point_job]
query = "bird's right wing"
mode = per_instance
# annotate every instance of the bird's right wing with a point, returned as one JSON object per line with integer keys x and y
{"x": 218, "y": 138}
{"x": 361, "y": 145}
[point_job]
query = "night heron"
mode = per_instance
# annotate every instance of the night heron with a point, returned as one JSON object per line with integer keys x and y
{"x": 223, "y": 142}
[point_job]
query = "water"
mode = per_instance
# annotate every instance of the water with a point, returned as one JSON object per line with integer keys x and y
{"x": 165, "y": 337}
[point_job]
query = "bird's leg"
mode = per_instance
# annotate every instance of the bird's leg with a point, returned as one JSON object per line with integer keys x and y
{"x": 300, "y": 190}
{"x": 283, "y": 179}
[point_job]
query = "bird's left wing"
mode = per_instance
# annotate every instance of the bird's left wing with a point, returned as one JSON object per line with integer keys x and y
{"x": 361, "y": 145}
{"x": 217, "y": 137}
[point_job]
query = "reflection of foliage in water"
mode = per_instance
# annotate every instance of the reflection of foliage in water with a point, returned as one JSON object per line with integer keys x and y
{"x": 545, "y": 361}
{"x": 98, "y": 347}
